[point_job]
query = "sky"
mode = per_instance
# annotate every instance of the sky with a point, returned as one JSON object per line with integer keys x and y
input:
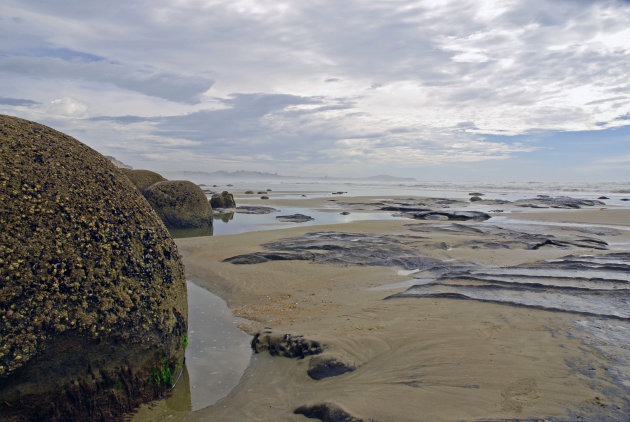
{"x": 514, "y": 90}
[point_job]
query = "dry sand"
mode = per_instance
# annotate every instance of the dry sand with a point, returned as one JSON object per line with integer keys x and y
{"x": 417, "y": 359}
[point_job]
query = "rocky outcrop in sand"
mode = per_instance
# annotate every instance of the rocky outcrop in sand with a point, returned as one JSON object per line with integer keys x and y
{"x": 180, "y": 204}
{"x": 287, "y": 345}
{"x": 329, "y": 365}
{"x": 93, "y": 295}
{"x": 326, "y": 412}
{"x": 563, "y": 202}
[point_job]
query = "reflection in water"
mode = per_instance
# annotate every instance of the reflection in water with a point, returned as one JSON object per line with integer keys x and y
{"x": 179, "y": 233}
{"x": 217, "y": 356}
{"x": 224, "y": 216}
{"x": 247, "y": 222}
{"x": 218, "y": 352}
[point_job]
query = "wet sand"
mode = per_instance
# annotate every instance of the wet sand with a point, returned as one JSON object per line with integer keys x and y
{"x": 416, "y": 358}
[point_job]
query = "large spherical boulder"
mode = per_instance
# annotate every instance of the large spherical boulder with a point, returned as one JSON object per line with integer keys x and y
{"x": 180, "y": 204}
{"x": 142, "y": 179}
{"x": 93, "y": 302}
{"x": 223, "y": 200}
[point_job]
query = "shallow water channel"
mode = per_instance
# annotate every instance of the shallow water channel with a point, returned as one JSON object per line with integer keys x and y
{"x": 217, "y": 356}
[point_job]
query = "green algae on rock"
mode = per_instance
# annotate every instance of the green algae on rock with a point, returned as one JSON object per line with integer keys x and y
{"x": 92, "y": 288}
{"x": 142, "y": 179}
{"x": 180, "y": 204}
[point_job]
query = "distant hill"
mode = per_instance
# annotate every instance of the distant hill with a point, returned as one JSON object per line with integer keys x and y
{"x": 239, "y": 174}
{"x": 387, "y": 178}
{"x": 244, "y": 174}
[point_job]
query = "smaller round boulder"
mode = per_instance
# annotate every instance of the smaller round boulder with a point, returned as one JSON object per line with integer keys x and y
{"x": 223, "y": 200}
{"x": 180, "y": 204}
{"x": 142, "y": 179}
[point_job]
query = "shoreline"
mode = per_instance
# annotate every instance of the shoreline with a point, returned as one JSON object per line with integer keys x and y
{"x": 412, "y": 355}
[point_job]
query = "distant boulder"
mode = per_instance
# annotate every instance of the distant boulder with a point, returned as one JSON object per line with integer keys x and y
{"x": 223, "y": 200}
{"x": 180, "y": 204}
{"x": 118, "y": 163}
{"x": 142, "y": 179}
{"x": 93, "y": 295}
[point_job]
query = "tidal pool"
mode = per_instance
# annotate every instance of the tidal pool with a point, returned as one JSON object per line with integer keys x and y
{"x": 217, "y": 356}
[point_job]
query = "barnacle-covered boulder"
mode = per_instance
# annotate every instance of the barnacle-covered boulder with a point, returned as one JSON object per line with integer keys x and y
{"x": 180, "y": 204}
{"x": 223, "y": 200}
{"x": 93, "y": 303}
{"x": 142, "y": 179}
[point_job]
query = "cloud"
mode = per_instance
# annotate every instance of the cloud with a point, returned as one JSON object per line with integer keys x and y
{"x": 326, "y": 83}
{"x": 18, "y": 102}
{"x": 146, "y": 80}
{"x": 68, "y": 107}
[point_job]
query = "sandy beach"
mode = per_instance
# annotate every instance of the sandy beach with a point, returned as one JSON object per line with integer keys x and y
{"x": 423, "y": 357}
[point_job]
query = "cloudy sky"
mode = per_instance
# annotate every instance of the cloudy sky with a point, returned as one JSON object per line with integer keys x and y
{"x": 432, "y": 89}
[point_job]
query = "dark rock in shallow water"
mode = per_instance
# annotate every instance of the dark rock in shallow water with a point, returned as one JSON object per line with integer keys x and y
{"x": 565, "y": 202}
{"x": 475, "y": 198}
{"x": 285, "y": 345}
{"x": 326, "y": 366}
{"x": 180, "y": 204}
{"x": 404, "y": 208}
{"x": 295, "y": 218}
{"x": 93, "y": 296}
{"x": 452, "y": 216}
{"x": 223, "y": 200}
{"x": 142, "y": 179}
{"x": 326, "y": 412}
{"x": 603, "y": 197}
{"x": 420, "y": 212}
{"x": 248, "y": 209}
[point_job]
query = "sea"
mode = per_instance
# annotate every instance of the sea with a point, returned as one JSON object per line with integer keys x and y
{"x": 617, "y": 195}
